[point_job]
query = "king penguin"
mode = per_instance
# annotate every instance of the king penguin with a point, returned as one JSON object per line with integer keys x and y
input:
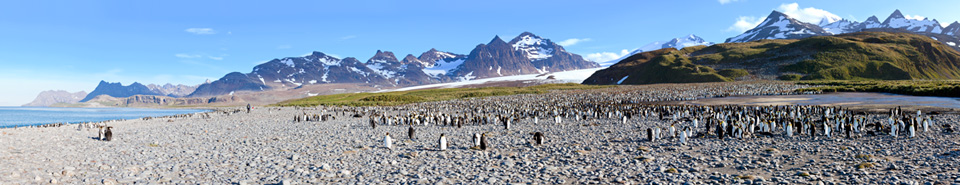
{"x": 476, "y": 140}
{"x": 443, "y": 142}
{"x": 538, "y": 138}
{"x": 789, "y": 129}
{"x": 483, "y": 141}
{"x": 411, "y": 133}
{"x": 387, "y": 141}
{"x": 108, "y": 134}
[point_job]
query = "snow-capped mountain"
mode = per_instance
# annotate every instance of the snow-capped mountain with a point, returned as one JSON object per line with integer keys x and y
{"x": 780, "y": 26}
{"x": 679, "y": 43}
{"x": 953, "y": 29}
{"x": 840, "y": 26}
{"x": 525, "y": 54}
{"x": 897, "y": 20}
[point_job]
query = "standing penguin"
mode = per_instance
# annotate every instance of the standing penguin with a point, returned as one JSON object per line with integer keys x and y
{"x": 789, "y": 129}
{"x": 537, "y": 138}
{"x": 476, "y": 140}
{"x": 913, "y": 129}
{"x": 683, "y": 137}
{"x": 506, "y": 125}
{"x": 650, "y": 134}
{"x": 388, "y": 141}
{"x": 483, "y": 141}
{"x": 108, "y": 134}
{"x": 443, "y": 142}
{"x": 100, "y": 134}
{"x": 410, "y": 133}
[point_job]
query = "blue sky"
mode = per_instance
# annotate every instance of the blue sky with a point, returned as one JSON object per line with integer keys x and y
{"x": 72, "y": 45}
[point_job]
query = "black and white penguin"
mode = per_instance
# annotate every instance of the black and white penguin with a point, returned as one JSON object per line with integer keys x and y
{"x": 538, "y": 138}
{"x": 443, "y": 142}
{"x": 476, "y": 140}
{"x": 388, "y": 141}
{"x": 650, "y": 134}
{"x": 483, "y": 141}
{"x": 410, "y": 133}
{"x": 101, "y": 132}
{"x": 108, "y": 134}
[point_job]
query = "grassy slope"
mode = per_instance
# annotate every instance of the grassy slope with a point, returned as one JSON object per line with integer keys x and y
{"x": 416, "y": 96}
{"x": 945, "y": 88}
{"x": 856, "y": 56}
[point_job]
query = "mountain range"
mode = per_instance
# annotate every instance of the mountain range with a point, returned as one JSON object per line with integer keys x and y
{"x": 778, "y": 25}
{"x": 47, "y": 98}
{"x": 677, "y": 43}
{"x": 524, "y": 54}
{"x": 121, "y": 91}
{"x": 867, "y": 55}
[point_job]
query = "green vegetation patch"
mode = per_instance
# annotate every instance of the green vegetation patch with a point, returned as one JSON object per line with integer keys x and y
{"x": 945, "y": 88}
{"x": 426, "y": 95}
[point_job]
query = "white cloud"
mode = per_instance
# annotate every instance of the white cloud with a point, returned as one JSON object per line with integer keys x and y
{"x": 745, "y": 23}
{"x": 573, "y": 41}
{"x": 915, "y": 17}
{"x": 348, "y": 37}
{"x": 182, "y": 55}
{"x": 201, "y": 31}
{"x": 727, "y": 1}
{"x": 215, "y": 58}
{"x": 605, "y": 57}
{"x": 809, "y": 15}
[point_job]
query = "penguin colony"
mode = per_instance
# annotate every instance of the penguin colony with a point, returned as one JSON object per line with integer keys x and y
{"x": 686, "y": 122}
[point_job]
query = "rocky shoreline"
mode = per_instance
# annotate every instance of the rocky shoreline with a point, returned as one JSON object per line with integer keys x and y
{"x": 266, "y": 146}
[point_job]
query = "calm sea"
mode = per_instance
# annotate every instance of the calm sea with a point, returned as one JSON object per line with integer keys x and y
{"x": 25, "y": 116}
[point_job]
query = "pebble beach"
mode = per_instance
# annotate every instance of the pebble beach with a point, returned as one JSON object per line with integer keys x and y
{"x": 266, "y": 146}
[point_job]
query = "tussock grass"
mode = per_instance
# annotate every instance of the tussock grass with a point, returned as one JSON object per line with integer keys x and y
{"x": 427, "y": 95}
{"x": 946, "y": 88}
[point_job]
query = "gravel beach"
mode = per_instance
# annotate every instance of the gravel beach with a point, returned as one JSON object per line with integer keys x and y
{"x": 266, "y": 146}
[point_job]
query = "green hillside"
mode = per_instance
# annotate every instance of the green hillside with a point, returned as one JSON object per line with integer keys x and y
{"x": 855, "y": 56}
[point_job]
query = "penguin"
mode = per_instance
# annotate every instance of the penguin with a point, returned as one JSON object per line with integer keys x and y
{"x": 373, "y": 124}
{"x": 410, "y": 133}
{"x": 673, "y": 131}
{"x": 506, "y": 125}
{"x": 483, "y": 141}
{"x": 683, "y": 138}
{"x": 650, "y": 134}
{"x": 913, "y": 129}
{"x": 476, "y": 140}
{"x": 387, "y": 141}
{"x": 100, "y": 134}
{"x": 789, "y": 130}
{"x": 538, "y": 138}
{"x": 443, "y": 142}
{"x": 720, "y": 131}
{"x": 108, "y": 134}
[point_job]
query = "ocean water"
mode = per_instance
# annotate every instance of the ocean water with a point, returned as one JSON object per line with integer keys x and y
{"x": 26, "y": 116}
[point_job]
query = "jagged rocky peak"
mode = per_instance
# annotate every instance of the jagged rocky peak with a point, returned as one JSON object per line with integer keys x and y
{"x": 383, "y": 57}
{"x": 47, "y": 98}
{"x": 119, "y": 90}
{"x": 895, "y": 15}
{"x": 780, "y": 26}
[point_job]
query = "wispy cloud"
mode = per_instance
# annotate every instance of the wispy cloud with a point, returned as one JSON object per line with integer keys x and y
{"x": 605, "y": 58}
{"x": 201, "y": 31}
{"x": 198, "y": 56}
{"x": 809, "y": 14}
{"x": 182, "y": 55}
{"x": 726, "y": 1}
{"x": 745, "y": 23}
{"x": 573, "y": 41}
{"x": 348, "y": 37}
